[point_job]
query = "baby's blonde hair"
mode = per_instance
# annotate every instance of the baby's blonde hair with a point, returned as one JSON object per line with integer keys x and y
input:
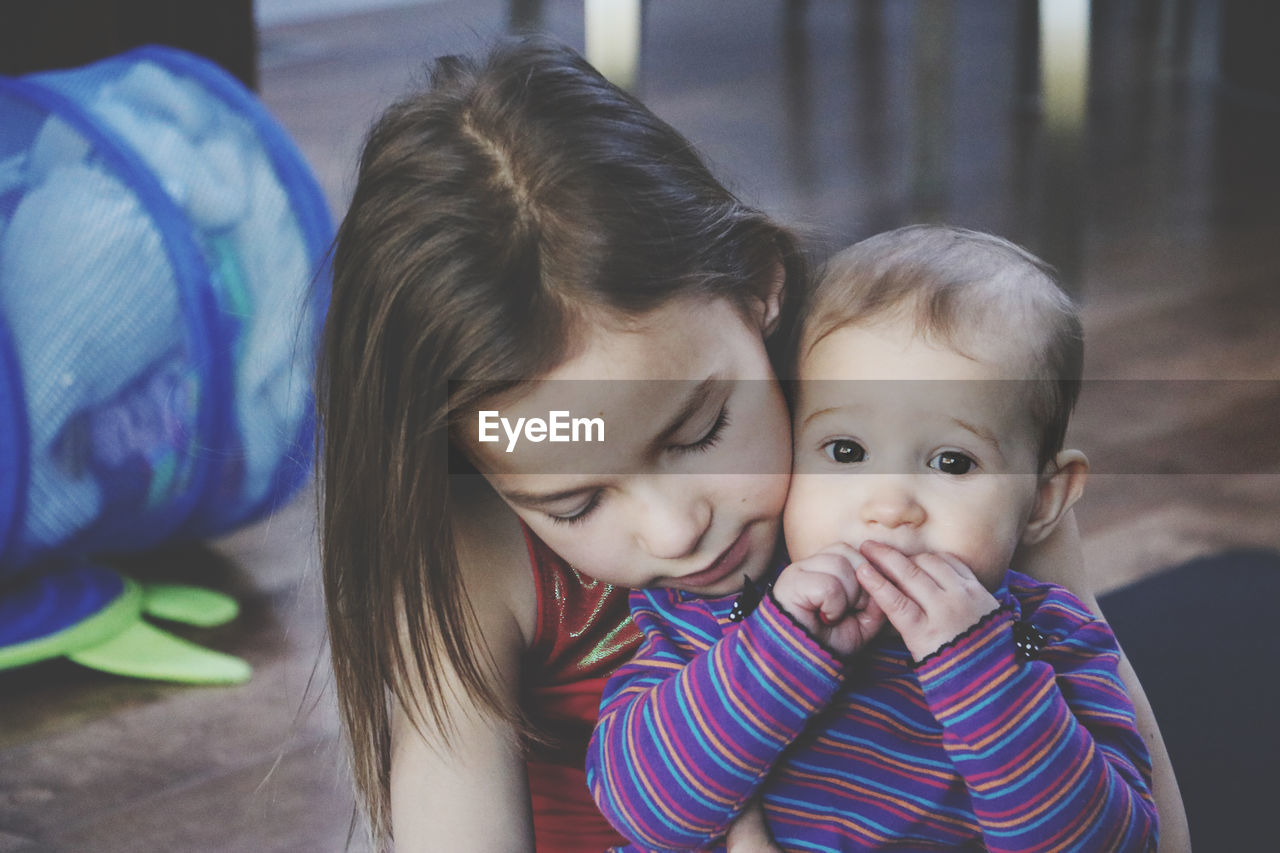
{"x": 959, "y": 287}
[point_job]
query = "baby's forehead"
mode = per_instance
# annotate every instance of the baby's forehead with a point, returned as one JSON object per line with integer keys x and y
{"x": 960, "y": 398}
{"x": 883, "y": 370}
{"x": 890, "y": 348}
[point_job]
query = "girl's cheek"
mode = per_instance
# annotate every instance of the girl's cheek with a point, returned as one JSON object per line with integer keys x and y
{"x": 764, "y": 455}
{"x": 770, "y": 428}
{"x": 807, "y": 517}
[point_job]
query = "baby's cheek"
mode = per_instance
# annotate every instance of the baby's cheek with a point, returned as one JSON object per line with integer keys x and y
{"x": 987, "y": 550}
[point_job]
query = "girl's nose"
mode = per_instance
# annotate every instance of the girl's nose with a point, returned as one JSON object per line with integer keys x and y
{"x": 891, "y": 502}
{"x": 673, "y": 516}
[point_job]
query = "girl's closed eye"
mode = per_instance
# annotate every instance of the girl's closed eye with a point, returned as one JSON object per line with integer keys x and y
{"x": 953, "y": 462}
{"x": 703, "y": 443}
{"x": 845, "y": 451}
{"x": 581, "y": 514}
{"x": 709, "y": 439}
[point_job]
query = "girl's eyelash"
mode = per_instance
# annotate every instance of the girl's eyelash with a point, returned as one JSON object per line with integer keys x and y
{"x": 579, "y": 516}
{"x": 711, "y": 438}
{"x": 705, "y": 443}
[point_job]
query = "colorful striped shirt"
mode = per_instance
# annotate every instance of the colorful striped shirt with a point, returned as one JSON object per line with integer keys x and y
{"x": 973, "y": 748}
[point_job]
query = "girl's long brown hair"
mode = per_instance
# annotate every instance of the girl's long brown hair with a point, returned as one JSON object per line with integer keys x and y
{"x": 491, "y": 210}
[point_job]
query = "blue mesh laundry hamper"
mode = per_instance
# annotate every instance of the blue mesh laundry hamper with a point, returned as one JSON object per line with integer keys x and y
{"x": 161, "y": 284}
{"x": 161, "y": 287}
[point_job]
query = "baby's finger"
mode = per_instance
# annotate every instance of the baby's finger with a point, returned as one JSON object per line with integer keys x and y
{"x": 943, "y": 572}
{"x": 894, "y": 604}
{"x": 900, "y": 568}
{"x": 845, "y": 550}
{"x": 870, "y": 615}
{"x": 838, "y": 561}
{"x": 960, "y": 567}
{"x": 801, "y": 593}
{"x": 830, "y": 594}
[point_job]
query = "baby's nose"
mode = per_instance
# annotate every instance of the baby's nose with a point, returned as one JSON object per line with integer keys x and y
{"x": 890, "y": 503}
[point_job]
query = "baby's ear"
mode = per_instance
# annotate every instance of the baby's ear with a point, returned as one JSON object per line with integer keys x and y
{"x": 768, "y": 305}
{"x": 1061, "y": 485}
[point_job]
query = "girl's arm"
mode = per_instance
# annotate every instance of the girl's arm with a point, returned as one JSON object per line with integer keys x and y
{"x": 690, "y": 728}
{"x": 465, "y": 788}
{"x": 1060, "y": 559}
{"x": 749, "y": 833}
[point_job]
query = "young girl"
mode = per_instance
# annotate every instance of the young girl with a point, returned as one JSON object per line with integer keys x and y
{"x": 519, "y": 220}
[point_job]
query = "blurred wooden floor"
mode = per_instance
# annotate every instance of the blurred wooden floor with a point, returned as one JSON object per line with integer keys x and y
{"x": 846, "y": 119}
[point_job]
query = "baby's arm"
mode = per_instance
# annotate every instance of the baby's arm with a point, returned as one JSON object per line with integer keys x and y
{"x": 1048, "y": 747}
{"x": 691, "y": 726}
{"x": 1060, "y": 559}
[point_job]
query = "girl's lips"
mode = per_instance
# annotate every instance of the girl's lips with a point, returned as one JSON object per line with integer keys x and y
{"x": 721, "y": 567}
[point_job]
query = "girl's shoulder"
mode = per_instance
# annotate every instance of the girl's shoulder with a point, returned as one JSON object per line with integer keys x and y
{"x": 493, "y": 556}
{"x": 570, "y": 626}
{"x": 584, "y": 625}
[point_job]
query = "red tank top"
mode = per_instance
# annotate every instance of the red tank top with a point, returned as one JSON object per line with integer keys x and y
{"x": 584, "y": 631}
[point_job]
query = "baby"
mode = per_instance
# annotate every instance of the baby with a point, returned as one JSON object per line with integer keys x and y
{"x": 898, "y": 684}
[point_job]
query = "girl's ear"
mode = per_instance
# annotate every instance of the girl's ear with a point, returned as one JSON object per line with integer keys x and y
{"x": 767, "y": 307}
{"x": 1057, "y": 492}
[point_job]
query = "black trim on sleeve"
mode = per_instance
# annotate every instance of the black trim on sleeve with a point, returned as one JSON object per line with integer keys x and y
{"x": 958, "y": 638}
{"x": 746, "y": 603}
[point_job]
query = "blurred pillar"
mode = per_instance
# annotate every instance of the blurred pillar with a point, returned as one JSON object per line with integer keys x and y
{"x": 799, "y": 104}
{"x": 524, "y": 16}
{"x": 613, "y": 32}
{"x": 1246, "y": 124}
{"x": 869, "y": 112}
{"x": 1027, "y": 58}
{"x": 1025, "y": 150}
{"x": 1175, "y": 33}
{"x": 1064, "y": 76}
{"x": 931, "y": 78}
{"x": 1249, "y": 57}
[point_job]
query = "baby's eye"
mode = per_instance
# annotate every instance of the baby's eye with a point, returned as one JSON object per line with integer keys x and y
{"x": 953, "y": 462}
{"x": 846, "y": 450}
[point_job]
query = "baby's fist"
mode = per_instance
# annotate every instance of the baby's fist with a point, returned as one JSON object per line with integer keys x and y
{"x": 823, "y": 595}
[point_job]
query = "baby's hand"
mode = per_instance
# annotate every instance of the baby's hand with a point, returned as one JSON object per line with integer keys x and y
{"x": 822, "y": 593}
{"x": 749, "y": 833}
{"x": 930, "y": 598}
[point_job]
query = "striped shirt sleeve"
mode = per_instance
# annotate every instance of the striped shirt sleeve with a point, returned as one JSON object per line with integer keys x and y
{"x": 1049, "y": 748}
{"x": 690, "y": 728}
